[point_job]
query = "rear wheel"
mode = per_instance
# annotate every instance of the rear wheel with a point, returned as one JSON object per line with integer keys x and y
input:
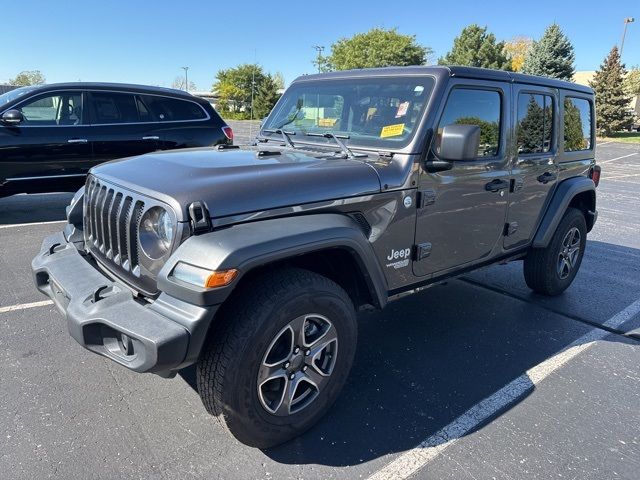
{"x": 279, "y": 357}
{"x": 551, "y": 270}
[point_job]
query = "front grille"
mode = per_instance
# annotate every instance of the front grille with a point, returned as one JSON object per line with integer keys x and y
{"x": 112, "y": 219}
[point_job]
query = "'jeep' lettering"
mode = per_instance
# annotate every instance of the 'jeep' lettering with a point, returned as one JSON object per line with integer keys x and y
{"x": 395, "y": 254}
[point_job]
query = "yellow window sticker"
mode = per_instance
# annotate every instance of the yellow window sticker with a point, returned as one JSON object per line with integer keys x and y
{"x": 392, "y": 130}
{"x": 327, "y": 122}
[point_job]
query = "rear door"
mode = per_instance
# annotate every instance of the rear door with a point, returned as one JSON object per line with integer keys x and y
{"x": 51, "y": 141}
{"x": 120, "y": 126}
{"x": 182, "y": 123}
{"x": 535, "y": 168}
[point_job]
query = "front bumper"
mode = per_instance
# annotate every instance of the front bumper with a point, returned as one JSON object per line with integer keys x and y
{"x": 104, "y": 317}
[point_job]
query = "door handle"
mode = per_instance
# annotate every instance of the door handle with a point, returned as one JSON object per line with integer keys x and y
{"x": 495, "y": 185}
{"x": 151, "y": 137}
{"x": 77, "y": 140}
{"x": 547, "y": 177}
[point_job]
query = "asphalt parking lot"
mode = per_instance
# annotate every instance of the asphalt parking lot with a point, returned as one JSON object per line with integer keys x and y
{"x": 478, "y": 378}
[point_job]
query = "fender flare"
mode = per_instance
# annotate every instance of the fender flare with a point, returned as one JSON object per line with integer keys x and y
{"x": 250, "y": 245}
{"x": 562, "y": 197}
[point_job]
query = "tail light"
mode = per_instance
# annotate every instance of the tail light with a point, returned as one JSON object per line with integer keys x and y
{"x": 228, "y": 132}
{"x": 594, "y": 174}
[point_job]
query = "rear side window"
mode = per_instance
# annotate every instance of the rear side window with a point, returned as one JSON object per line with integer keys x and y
{"x": 475, "y": 107}
{"x": 535, "y": 123}
{"x": 577, "y": 124}
{"x": 165, "y": 109}
{"x": 111, "y": 107}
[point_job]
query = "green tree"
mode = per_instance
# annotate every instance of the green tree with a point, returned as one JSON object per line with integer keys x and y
{"x": 28, "y": 77}
{"x": 235, "y": 86}
{"x": 551, "y": 56}
{"x": 489, "y": 134}
{"x": 573, "y": 128}
{"x": 632, "y": 81}
{"x": 612, "y": 102}
{"x": 266, "y": 97}
{"x": 376, "y": 48}
{"x": 474, "y": 47}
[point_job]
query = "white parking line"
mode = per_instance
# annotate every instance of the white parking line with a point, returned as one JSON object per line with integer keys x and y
{"x": 616, "y": 177}
{"x": 617, "y": 158}
{"x": 30, "y": 224}
{"x": 24, "y": 306}
{"x": 604, "y": 143}
{"x": 413, "y": 460}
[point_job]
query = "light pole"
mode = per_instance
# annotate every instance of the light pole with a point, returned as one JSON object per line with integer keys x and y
{"x": 319, "y": 49}
{"x": 627, "y": 21}
{"x": 186, "y": 79}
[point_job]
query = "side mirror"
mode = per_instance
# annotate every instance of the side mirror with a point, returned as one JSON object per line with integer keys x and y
{"x": 12, "y": 117}
{"x": 459, "y": 142}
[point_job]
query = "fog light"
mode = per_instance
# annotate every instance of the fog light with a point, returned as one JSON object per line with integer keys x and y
{"x": 202, "y": 277}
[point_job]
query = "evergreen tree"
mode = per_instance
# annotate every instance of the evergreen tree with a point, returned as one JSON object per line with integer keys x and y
{"x": 266, "y": 97}
{"x": 551, "y": 56}
{"x": 474, "y": 47}
{"x": 612, "y": 102}
{"x": 573, "y": 128}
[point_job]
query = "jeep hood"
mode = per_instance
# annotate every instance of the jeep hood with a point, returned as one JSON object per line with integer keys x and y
{"x": 240, "y": 181}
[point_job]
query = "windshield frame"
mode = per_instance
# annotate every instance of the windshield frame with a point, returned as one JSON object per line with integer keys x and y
{"x": 357, "y": 143}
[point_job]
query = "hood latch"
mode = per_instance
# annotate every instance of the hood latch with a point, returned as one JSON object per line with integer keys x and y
{"x": 199, "y": 218}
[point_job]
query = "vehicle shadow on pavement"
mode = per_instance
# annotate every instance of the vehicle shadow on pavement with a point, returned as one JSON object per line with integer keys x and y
{"x": 424, "y": 361}
{"x": 33, "y": 208}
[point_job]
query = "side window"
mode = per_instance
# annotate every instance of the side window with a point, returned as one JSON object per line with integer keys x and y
{"x": 109, "y": 107}
{"x": 475, "y": 107}
{"x": 577, "y": 124}
{"x": 63, "y": 108}
{"x": 535, "y": 123}
{"x": 143, "y": 111}
{"x": 166, "y": 109}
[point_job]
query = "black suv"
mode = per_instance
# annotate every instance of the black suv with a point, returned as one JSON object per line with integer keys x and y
{"x": 363, "y": 186}
{"x": 51, "y": 135}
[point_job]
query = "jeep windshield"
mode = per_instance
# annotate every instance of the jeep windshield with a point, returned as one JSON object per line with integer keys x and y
{"x": 373, "y": 112}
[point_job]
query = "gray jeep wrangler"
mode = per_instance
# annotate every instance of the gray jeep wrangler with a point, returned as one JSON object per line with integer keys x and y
{"x": 361, "y": 186}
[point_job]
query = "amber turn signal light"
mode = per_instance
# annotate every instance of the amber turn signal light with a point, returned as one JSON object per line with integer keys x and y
{"x": 221, "y": 279}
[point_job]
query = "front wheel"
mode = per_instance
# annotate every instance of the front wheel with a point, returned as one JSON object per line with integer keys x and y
{"x": 551, "y": 270}
{"x": 280, "y": 356}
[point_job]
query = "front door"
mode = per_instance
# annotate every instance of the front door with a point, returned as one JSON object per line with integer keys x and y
{"x": 535, "y": 170}
{"x": 462, "y": 211}
{"x": 51, "y": 142}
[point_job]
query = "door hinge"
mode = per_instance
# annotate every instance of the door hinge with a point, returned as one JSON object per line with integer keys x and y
{"x": 510, "y": 228}
{"x": 426, "y": 197}
{"x": 422, "y": 251}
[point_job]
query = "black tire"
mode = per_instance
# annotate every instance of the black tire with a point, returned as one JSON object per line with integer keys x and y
{"x": 542, "y": 266}
{"x": 227, "y": 372}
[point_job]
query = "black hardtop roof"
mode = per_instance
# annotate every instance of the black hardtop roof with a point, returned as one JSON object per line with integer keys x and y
{"x": 451, "y": 71}
{"x": 115, "y": 86}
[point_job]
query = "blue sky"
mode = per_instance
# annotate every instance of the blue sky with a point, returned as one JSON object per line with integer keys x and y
{"x": 148, "y": 42}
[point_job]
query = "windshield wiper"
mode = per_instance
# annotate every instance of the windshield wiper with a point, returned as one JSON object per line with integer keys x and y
{"x": 338, "y": 139}
{"x": 285, "y": 136}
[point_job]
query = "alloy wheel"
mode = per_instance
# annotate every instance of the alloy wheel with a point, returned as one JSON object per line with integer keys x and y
{"x": 297, "y": 364}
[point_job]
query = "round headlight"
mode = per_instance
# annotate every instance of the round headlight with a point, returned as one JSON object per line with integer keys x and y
{"x": 156, "y": 232}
